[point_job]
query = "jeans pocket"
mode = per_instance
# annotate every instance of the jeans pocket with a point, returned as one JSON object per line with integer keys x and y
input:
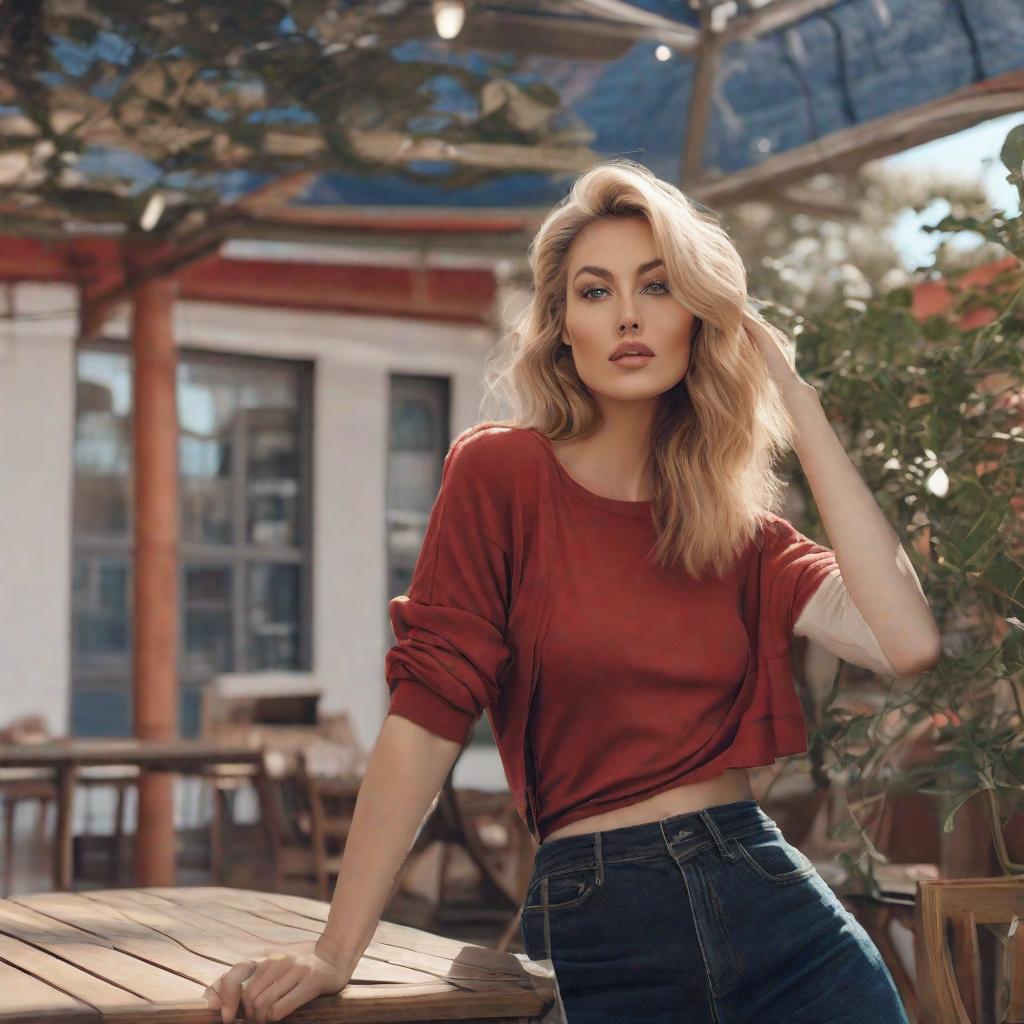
{"x": 771, "y": 857}
{"x": 567, "y": 888}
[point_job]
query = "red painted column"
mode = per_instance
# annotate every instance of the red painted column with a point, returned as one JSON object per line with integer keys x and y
{"x": 155, "y": 612}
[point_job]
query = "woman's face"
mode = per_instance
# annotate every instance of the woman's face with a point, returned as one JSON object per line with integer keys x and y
{"x": 617, "y": 290}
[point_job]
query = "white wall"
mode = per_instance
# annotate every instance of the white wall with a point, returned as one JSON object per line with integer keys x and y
{"x": 353, "y": 356}
{"x": 37, "y": 390}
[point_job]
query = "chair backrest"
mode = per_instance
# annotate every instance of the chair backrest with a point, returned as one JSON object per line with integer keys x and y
{"x": 30, "y": 728}
{"x": 949, "y": 984}
{"x": 270, "y": 698}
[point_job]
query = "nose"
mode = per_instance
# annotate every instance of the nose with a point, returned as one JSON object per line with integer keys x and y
{"x": 622, "y": 326}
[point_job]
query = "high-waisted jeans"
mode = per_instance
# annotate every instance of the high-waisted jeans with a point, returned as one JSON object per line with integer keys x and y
{"x": 709, "y": 916}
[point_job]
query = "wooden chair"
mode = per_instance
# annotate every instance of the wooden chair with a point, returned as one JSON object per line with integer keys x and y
{"x": 38, "y": 785}
{"x": 485, "y": 827}
{"x": 328, "y": 789}
{"x": 246, "y": 709}
{"x": 949, "y": 984}
{"x": 307, "y": 769}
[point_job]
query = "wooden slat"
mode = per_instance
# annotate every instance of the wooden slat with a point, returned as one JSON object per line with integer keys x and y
{"x": 394, "y": 942}
{"x": 416, "y": 966}
{"x": 126, "y": 935}
{"x": 133, "y": 954}
{"x": 84, "y": 986}
{"x": 203, "y": 941}
{"x": 389, "y": 932}
{"x": 26, "y": 999}
{"x": 246, "y": 945}
{"x": 1015, "y": 1004}
{"x": 94, "y": 954}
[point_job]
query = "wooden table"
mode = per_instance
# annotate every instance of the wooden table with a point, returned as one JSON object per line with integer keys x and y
{"x": 64, "y": 758}
{"x": 146, "y": 955}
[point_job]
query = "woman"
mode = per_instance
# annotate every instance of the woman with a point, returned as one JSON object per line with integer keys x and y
{"x": 604, "y": 574}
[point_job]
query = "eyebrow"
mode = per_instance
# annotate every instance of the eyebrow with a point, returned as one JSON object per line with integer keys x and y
{"x": 607, "y": 274}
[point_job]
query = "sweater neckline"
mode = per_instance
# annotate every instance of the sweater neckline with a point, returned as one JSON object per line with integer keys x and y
{"x": 617, "y": 505}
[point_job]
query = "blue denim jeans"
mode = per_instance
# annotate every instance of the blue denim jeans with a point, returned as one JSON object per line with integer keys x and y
{"x": 709, "y": 916}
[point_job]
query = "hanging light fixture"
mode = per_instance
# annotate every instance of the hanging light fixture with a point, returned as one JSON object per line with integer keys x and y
{"x": 153, "y": 212}
{"x": 449, "y": 16}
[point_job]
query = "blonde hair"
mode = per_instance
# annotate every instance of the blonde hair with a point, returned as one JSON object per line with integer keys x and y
{"x": 717, "y": 433}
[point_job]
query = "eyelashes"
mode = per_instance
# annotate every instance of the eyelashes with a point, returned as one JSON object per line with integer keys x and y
{"x": 585, "y": 293}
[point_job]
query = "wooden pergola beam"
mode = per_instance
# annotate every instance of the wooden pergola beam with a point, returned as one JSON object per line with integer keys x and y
{"x": 498, "y": 232}
{"x": 701, "y": 99}
{"x": 803, "y": 200}
{"x": 852, "y": 147}
{"x": 772, "y": 17}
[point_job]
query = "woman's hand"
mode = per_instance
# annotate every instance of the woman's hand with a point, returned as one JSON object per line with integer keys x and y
{"x": 275, "y": 984}
{"x": 778, "y": 351}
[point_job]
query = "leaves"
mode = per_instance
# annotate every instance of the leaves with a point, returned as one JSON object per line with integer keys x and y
{"x": 915, "y": 396}
{"x": 148, "y": 98}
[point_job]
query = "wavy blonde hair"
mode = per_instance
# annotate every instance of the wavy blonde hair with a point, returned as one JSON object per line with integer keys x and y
{"x": 717, "y": 433}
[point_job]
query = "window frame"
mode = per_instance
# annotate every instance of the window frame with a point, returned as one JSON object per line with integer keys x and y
{"x": 113, "y": 673}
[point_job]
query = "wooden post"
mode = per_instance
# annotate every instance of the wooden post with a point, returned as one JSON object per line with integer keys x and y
{"x": 96, "y": 266}
{"x": 155, "y": 611}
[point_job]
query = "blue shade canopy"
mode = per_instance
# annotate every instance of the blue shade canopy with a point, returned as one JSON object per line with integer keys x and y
{"x": 844, "y": 64}
{"x": 726, "y": 98}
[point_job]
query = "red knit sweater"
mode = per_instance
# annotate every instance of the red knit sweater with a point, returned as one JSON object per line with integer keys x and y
{"x": 606, "y": 679}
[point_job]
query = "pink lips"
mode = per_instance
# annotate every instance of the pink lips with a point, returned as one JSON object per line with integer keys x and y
{"x": 630, "y": 346}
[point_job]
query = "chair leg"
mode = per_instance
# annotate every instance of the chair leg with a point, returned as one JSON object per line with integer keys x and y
{"x": 44, "y": 806}
{"x": 115, "y": 853}
{"x": 9, "y": 808}
{"x": 216, "y": 839}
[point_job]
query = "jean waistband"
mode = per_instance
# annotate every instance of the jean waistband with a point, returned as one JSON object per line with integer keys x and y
{"x": 590, "y": 848}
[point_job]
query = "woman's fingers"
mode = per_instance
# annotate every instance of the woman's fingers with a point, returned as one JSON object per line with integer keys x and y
{"x": 265, "y": 1001}
{"x": 227, "y": 989}
{"x": 305, "y": 991}
{"x": 267, "y": 972}
{"x": 213, "y": 999}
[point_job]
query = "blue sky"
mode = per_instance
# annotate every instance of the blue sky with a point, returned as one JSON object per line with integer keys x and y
{"x": 972, "y": 153}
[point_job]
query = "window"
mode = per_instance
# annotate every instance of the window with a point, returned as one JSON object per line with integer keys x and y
{"x": 418, "y": 440}
{"x": 244, "y": 487}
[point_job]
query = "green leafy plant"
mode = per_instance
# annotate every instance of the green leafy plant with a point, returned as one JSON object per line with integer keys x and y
{"x": 931, "y": 410}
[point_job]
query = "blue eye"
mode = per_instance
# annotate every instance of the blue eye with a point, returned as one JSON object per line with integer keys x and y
{"x": 586, "y": 293}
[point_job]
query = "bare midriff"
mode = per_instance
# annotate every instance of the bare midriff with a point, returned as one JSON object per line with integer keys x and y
{"x": 733, "y": 784}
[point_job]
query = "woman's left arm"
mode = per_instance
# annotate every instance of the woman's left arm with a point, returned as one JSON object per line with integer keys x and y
{"x": 875, "y": 568}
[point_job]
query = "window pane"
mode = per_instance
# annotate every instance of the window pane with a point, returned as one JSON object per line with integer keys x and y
{"x": 413, "y": 454}
{"x": 273, "y": 477}
{"x": 102, "y": 448}
{"x": 272, "y": 616}
{"x": 207, "y": 403}
{"x": 208, "y": 636}
{"x": 102, "y": 711}
{"x": 100, "y": 606}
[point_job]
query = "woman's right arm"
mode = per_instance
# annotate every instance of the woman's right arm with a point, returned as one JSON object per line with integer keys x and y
{"x": 405, "y": 772}
{"x": 444, "y": 669}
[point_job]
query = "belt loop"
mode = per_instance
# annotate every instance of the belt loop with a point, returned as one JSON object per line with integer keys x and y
{"x": 600, "y": 863}
{"x": 725, "y": 848}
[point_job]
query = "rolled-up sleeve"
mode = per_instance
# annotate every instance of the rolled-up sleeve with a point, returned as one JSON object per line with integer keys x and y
{"x": 450, "y": 653}
{"x": 794, "y": 566}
